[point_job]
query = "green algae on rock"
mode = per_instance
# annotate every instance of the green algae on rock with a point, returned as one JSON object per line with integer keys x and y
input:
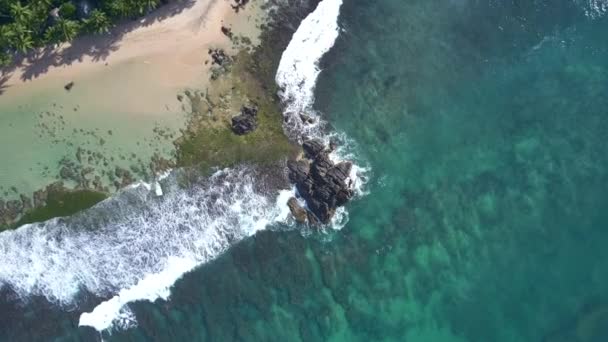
{"x": 209, "y": 140}
{"x": 60, "y": 202}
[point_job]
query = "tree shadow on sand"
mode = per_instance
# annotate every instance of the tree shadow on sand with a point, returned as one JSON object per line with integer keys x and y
{"x": 3, "y": 80}
{"x": 96, "y": 47}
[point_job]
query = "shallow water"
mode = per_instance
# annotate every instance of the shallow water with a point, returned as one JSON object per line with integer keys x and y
{"x": 48, "y": 123}
{"x": 484, "y": 124}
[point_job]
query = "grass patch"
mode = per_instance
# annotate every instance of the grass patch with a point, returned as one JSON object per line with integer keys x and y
{"x": 218, "y": 146}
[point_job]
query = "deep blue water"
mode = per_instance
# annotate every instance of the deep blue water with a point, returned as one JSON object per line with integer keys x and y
{"x": 485, "y": 124}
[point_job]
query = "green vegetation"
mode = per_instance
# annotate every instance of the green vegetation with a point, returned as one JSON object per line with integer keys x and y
{"x": 219, "y": 146}
{"x": 28, "y": 24}
{"x": 63, "y": 203}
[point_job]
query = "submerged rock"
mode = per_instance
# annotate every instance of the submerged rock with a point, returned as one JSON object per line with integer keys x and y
{"x": 320, "y": 182}
{"x": 246, "y": 121}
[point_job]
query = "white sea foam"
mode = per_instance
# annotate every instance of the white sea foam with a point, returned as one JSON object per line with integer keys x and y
{"x": 135, "y": 245}
{"x": 297, "y": 76}
{"x": 596, "y": 8}
{"x": 151, "y": 287}
{"x": 299, "y": 68}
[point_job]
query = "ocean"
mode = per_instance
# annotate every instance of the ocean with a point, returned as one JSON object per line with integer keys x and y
{"x": 477, "y": 128}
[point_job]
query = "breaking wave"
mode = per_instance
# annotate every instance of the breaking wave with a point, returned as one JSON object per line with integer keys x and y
{"x": 135, "y": 235}
{"x": 137, "y": 244}
{"x": 297, "y": 76}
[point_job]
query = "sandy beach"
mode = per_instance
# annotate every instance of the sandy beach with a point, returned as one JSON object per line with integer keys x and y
{"x": 125, "y": 89}
{"x": 141, "y": 64}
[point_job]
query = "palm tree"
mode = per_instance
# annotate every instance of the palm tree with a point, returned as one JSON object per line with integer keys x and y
{"x": 21, "y": 14}
{"x": 5, "y": 59}
{"x": 64, "y": 30}
{"x": 19, "y": 37}
{"x": 69, "y": 28}
{"x": 145, "y": 5}
{"x": 98, "y": 22}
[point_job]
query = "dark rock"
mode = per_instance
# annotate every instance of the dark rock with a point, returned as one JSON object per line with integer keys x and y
{"x": 250, "y": 111}
{"x": 320, "y": 182}
{"x": 227, "y": 31}
{"x": 298, "y": 170}
{"x": 312, "y": 219}
{"x": 246, "y": 121}
{"x": 219, "y": 57}
{"x": 69, "y": 86}
{"x": 242, "y": 124}
{"x": 338, "y": 174}
{"x": 321, "y": 165}
{"x": 299, "y": 213}
{"x": 313, "y": 147}
{"x": 239, "y": 4}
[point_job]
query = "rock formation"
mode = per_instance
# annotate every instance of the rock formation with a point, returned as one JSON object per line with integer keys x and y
{"x": 246, "y": 121}
{"x": 320, "y": 182}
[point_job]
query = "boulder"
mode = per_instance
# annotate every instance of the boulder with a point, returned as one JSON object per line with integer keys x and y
{"x": 320, "y": 182}
{"x": 299, "y": 213}
{"x": 242, "y": 124}
{"x": 246, "y": 121}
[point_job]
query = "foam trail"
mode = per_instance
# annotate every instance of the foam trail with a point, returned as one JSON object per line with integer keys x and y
{"x": 299, "y": 68}
{"x": 152, "y": 287}
{"x": 297, "y": 76}
{"x": 135, "y": 245}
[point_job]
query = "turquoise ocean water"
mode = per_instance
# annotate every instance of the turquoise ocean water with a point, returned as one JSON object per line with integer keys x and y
{"x": 484, "y": 124}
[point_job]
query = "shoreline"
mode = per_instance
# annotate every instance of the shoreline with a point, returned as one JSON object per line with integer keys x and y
{"x": 242, "y": 197}
{"x": 179, "y": 40}
{"x": 178, "y": 47}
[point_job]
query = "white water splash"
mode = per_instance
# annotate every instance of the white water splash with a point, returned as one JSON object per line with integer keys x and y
{"x": 135, "y": 245}
{"x": 152, "y": 287}
{"x": 299, "y": 69}
{"x": 130, "y": 244}
{"x": 596, "y": 8}
{"x": 297, "y": 76}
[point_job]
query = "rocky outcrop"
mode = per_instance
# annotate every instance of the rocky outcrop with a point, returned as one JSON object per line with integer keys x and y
{"x": 246, "y": 121}
{"x": 320, "y": 182}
